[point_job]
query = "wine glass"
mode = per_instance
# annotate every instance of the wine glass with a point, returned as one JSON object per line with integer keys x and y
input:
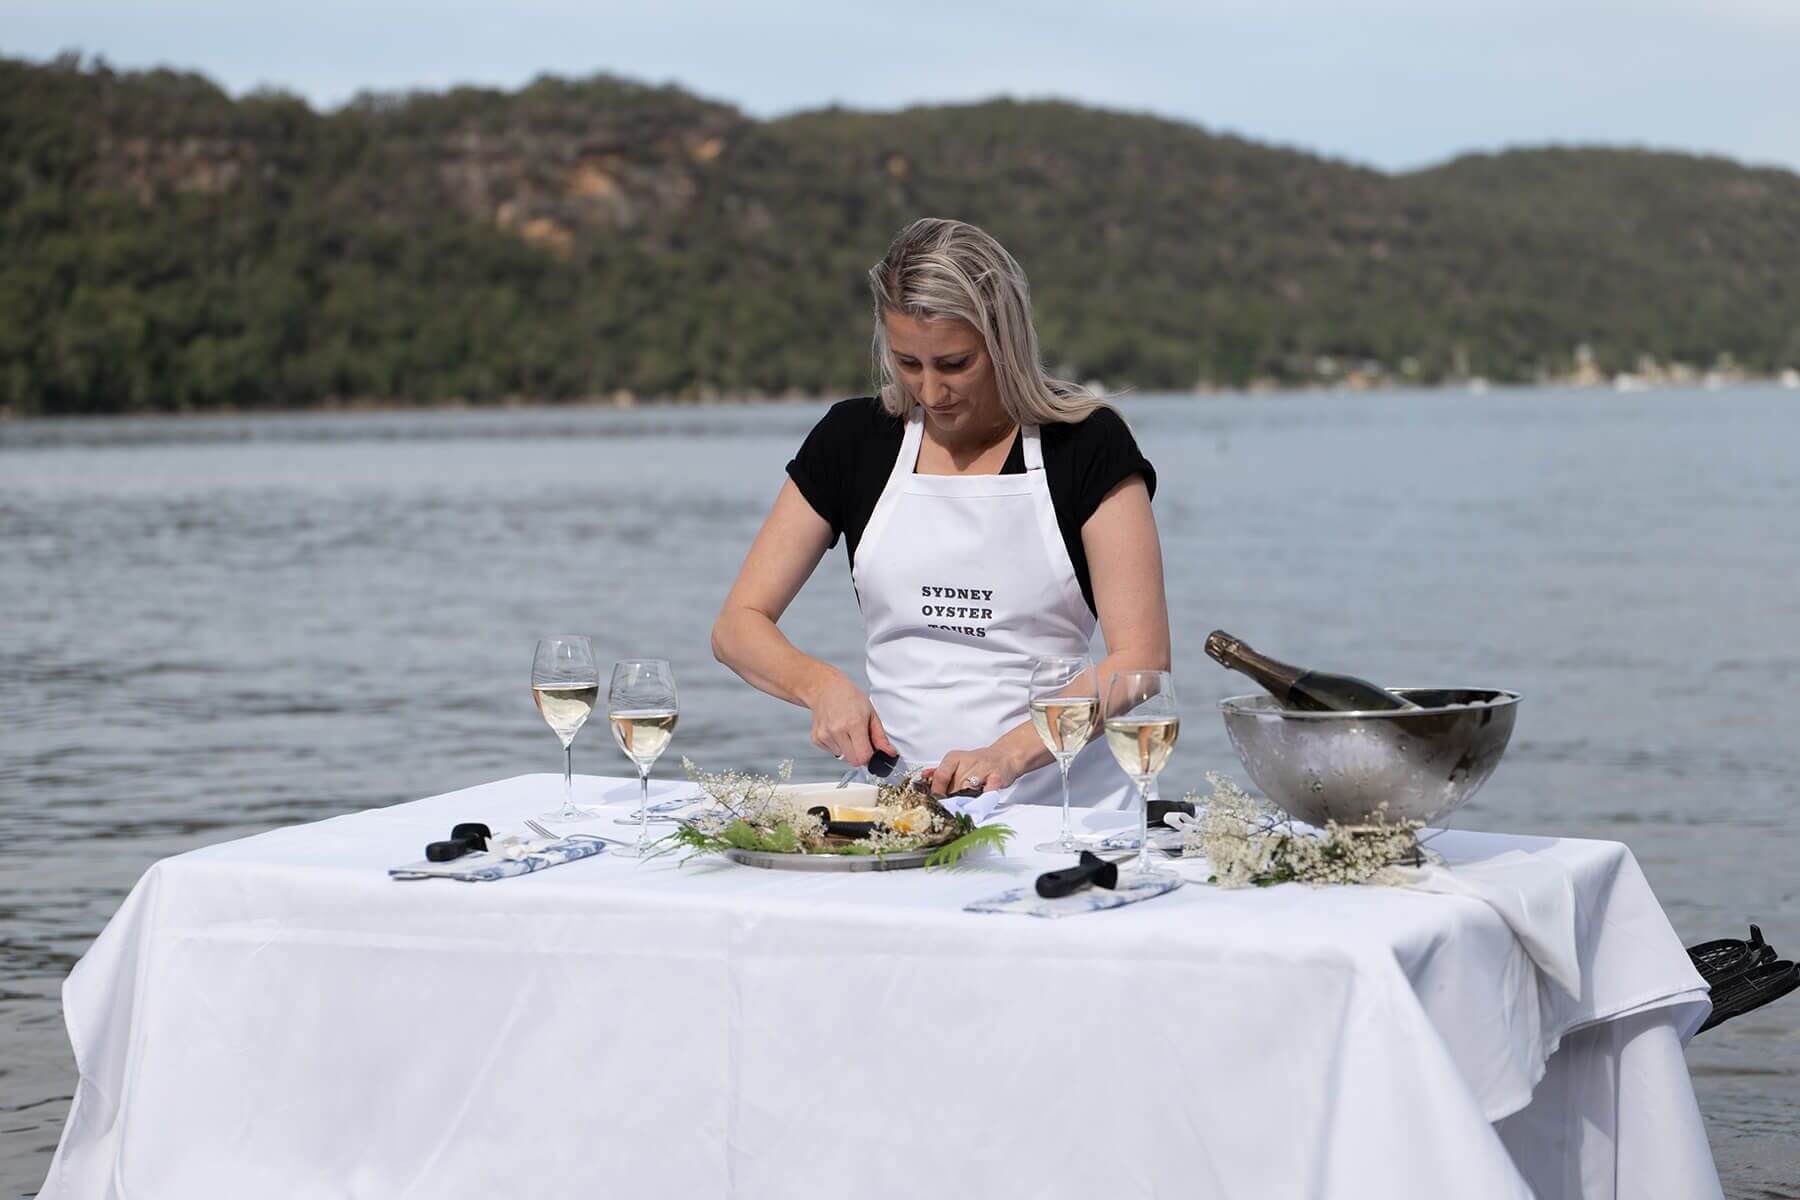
{"x": 1142, "y": 723}
{"x": 564, "y": 684}
{"x": 1064, "y": 706}
{"x": 643, "y": 709}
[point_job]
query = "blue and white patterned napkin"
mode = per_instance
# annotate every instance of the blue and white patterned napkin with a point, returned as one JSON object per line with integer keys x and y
{"x": 1026, "y": 901}
{"x": 1127, "y": 839}
{"x": 481, "y": 867}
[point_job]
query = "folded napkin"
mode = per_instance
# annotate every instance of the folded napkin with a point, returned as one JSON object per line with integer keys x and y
{"x": 1530, "y": 892}
{"x": 1026, "y": 901}
{"x": 494, "y": 864}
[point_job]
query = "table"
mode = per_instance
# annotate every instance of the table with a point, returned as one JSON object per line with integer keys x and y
{"x": 273, "y": 1016}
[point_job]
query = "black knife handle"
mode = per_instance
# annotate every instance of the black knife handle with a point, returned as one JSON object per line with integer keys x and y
{"x": 881, "y": 764}
{"x": 1091, "y": 871}
{"x": 446, "y": 851}
{"x": 843, "y": 829}
{"x": 474, "y": 832}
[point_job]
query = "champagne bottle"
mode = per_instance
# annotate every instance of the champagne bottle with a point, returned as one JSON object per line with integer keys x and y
{"x": 1295, "y": 687}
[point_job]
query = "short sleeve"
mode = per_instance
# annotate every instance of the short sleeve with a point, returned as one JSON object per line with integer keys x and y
{"x": 1103, "y": 455}
{"x": 815, "y": 470}
{"x": 832, "y": 466}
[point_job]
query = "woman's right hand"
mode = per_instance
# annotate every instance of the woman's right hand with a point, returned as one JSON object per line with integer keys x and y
{"x": 844, "y": 722}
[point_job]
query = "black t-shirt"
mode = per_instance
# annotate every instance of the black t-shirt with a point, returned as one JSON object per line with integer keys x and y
{"x": 845, "y": 462}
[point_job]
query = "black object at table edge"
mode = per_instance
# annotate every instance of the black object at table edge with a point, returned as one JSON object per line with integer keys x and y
{"x": 1741, "y": 976}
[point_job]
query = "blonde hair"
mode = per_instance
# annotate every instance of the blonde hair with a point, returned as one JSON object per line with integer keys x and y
{"x": 937, "y": 268}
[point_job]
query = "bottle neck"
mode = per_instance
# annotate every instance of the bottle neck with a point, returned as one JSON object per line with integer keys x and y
{"x": 1273, "y": 674}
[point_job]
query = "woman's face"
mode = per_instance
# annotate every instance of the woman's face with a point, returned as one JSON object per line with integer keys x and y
{"x": 943, "y": 363}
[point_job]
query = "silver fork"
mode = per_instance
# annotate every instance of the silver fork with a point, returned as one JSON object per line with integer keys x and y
{"x": 557, "y": 837}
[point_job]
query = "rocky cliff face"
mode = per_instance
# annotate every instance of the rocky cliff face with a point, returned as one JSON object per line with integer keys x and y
{"x": 550, "y": 188}
{"x": 602, "y": 158}
{"x": 151, "y": 168}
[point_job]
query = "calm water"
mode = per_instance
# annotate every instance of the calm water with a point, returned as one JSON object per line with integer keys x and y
{"x": 214, "y": 627}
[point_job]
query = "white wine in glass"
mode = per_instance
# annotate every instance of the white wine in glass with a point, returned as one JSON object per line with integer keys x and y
{"x": 565, "y": 708}
{"x": 565, "y": 685}
{"x": 1142, "y": 745}
{"x": 1064, "y": 708}
{"x": 643, "y": 736}
{"x": 642, "y": 708}
{"x": 1142, "y": 725}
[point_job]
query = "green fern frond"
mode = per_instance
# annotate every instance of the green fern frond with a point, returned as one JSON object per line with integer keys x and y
{"x": 978, "y": 837}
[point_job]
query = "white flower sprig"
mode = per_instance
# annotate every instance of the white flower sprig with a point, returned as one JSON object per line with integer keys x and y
{"x": 753, "y": 799}
{"x": 1250, "y": 844}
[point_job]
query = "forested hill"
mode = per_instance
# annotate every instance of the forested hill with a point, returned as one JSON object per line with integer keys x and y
{"x": 163, "y": 246}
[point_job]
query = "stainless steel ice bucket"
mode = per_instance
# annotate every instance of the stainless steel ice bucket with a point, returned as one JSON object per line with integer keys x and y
{"x": 1423, "y": 762}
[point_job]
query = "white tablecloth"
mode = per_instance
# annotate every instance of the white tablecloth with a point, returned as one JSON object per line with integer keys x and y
{"x": 275, "y": 1017}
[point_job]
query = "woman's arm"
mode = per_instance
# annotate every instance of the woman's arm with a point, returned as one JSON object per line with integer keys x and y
{"x": 747, "y": 639}
{"x": 1125, "y": 563}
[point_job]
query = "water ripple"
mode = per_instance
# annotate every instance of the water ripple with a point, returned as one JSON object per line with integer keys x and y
{"x": 219, "y": 626}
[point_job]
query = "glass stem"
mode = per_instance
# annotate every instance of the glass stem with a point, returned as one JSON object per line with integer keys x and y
{"x": 643, "y": 804}
{"x": 1143, "y": 859}
{"x": 1068, "y": 834}
{"x": 568, "y": 808}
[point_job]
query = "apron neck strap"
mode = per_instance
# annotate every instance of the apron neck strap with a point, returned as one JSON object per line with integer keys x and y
{"x": 909, "y": 442}
{"x": 915, "y": 432}
{"x": 1034, "y": 450}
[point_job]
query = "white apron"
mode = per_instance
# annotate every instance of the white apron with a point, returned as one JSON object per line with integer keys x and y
{"x": 963, "y": 580}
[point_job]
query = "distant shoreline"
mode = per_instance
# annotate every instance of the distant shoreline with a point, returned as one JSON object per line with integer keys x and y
{"x": 1788, "y": 380}
{"x": 344, "y": 408}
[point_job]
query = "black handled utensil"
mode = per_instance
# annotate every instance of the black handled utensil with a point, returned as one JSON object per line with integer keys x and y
{"x": 843, "y": 829}
{"x": 466, "y": 838}
{"x": 473, "y": 830}
{"x": 881, "y": 766}
{"x": 1091, "y": 871}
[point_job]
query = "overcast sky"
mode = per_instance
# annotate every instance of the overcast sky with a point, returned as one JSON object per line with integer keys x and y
{"x": 1394, "y": 83}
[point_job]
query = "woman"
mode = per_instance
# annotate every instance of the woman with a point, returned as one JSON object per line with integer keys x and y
{"x": 991, "y": 514}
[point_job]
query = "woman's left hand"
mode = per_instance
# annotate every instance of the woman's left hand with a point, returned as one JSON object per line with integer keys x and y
{"x": 961, "y": 770}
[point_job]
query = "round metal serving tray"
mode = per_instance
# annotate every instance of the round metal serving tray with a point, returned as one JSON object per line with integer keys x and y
{"x": 899, "y": 860}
